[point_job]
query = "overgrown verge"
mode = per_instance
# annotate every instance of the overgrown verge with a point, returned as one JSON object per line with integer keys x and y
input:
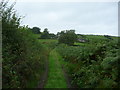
{"x": 23, "y": 56}
{"x": 93, "y": 65}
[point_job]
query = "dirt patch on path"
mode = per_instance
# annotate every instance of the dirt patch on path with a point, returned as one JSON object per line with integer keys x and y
{"x": 68, "y": 80}
{"x": 66, "y": 77}
{"x": 44, "y": 76}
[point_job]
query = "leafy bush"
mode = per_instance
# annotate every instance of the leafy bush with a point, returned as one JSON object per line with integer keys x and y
{"x": 67, "y": 37}
{"x": 23, "y": 56}
{"x": 94, "y": 65}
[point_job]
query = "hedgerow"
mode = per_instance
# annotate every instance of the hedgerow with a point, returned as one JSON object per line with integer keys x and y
{"x": 93, "y": 65}
{"x": 23, "y": 57}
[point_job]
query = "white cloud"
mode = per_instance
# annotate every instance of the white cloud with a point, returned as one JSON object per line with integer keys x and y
{"x": 87, "y": 17}
{"x": 97, "y": 29}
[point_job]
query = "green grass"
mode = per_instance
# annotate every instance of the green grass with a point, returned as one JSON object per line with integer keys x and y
{"x": 56, "y": 77}
{"x": 37, "y": 35}
{"x": 47, "y": 40}
{"x": 77, "y": 43}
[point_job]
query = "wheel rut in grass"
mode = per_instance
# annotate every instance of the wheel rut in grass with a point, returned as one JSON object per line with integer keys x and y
{"x": 43, "y": 78}
{"x": 56, "y": 78}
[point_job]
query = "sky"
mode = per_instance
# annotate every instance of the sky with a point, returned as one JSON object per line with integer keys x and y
{"x": 99, "y": 18}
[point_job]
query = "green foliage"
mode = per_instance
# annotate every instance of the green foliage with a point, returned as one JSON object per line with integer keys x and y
{"x": 52, "y": 36}
{"x": 93, "y": 65}
{"x": 56, "y": 77}
{"x": 36, "y": 30}
{"x": 45, "y": 34}
{"x": 23, "y": 55}
{"x": 67, "y": 37}
{"x": 82, "y": 38}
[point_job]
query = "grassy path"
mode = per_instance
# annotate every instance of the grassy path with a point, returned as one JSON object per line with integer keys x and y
{"x": 56, "y": 77}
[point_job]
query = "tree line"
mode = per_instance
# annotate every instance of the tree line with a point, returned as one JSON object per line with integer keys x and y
{"x": 66, "y": 36}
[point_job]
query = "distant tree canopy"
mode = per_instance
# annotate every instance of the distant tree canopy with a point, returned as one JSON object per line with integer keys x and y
{"x": 52, "y": 36}
{"x": 108, "y": 37}
{"x": 68, "y": 37}
{"x": 36, "y": 30}
{"x": 45, "y": 34}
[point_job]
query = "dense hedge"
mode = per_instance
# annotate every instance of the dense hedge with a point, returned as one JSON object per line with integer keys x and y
{"x": 23, "y": 56}
{"x": 94, "y": 64}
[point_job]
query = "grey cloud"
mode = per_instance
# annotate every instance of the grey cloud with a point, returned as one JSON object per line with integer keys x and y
{"x": 84, "y": 17}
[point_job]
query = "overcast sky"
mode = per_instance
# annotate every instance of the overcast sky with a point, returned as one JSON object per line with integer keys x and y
{"x": 85, "y": 17}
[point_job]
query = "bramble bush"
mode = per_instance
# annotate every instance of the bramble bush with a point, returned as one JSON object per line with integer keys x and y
{"x": 93, "y": 65}
{"x": 23, "y": 57}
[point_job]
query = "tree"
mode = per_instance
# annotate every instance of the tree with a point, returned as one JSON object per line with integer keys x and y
{"x": 52, "y": 35}
{"x": 68, "y": 37}
{"x": 36, "y": 30}
{"x": 108, "y": 37}
{"x": 45, "y": 34}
